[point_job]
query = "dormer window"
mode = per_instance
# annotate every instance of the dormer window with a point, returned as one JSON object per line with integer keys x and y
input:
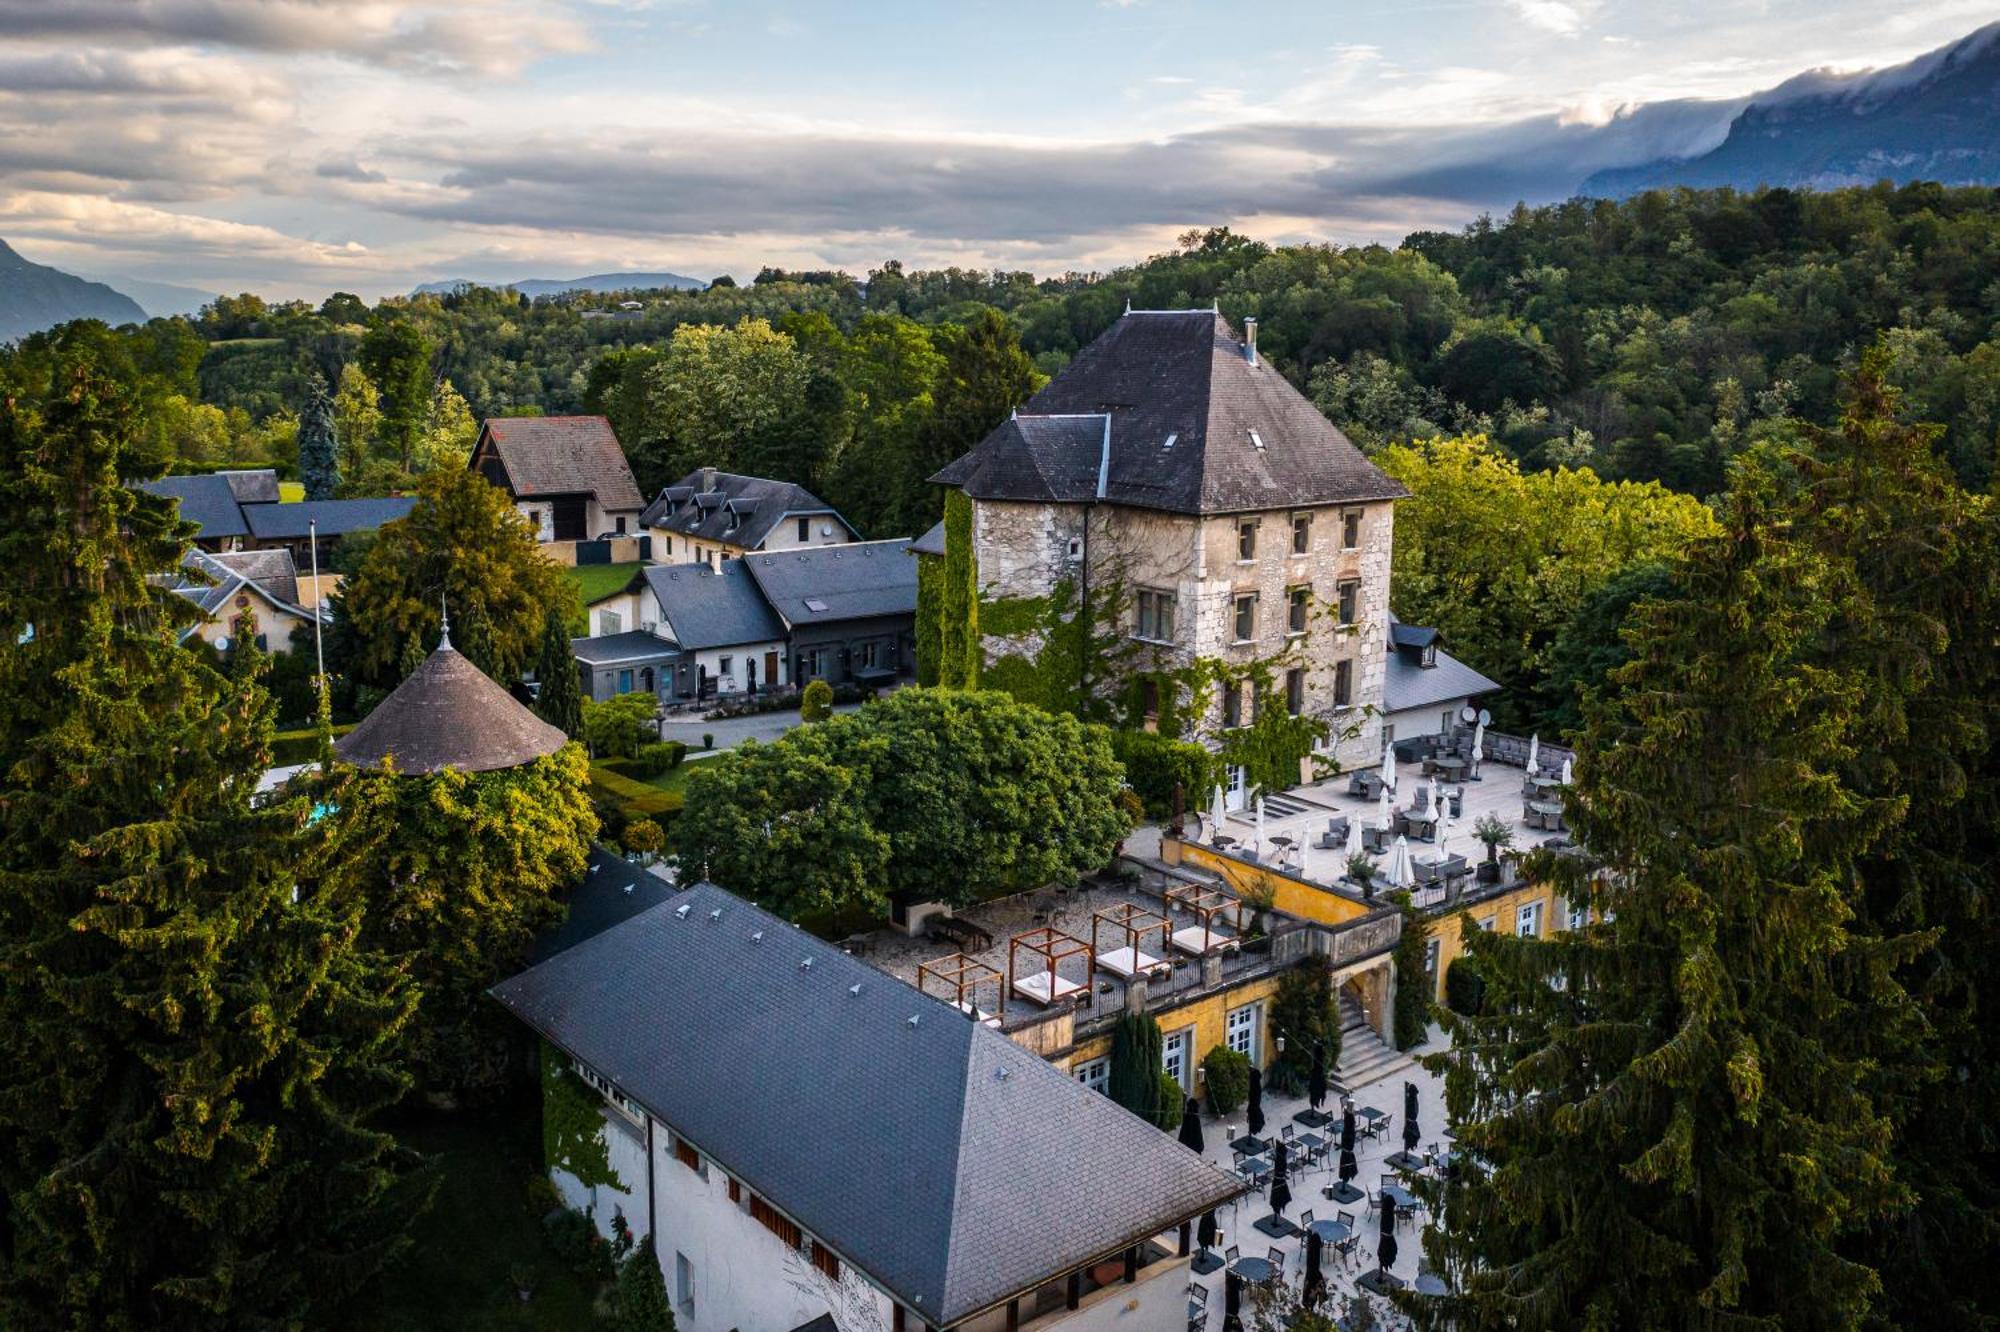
{"x": 1430, "y": 655}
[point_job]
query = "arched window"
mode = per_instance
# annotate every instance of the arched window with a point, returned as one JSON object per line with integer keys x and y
{"x": 646, "y": 679}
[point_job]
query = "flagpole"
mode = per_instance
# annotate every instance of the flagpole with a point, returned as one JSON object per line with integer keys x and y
{"x": 319, "y": 640}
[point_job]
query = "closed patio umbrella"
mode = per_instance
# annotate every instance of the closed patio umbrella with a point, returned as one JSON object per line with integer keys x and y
{"x": 1412, "y": 1134}
{"x": 1315, "y": 1288}
{"x": 1388, "y": 819}
{"x": 1478, "y": 744}
{"x": 1232, "y": 1303}
{"x": 1436, "y": 807}
{"x": 1204, "y": 1231}
{"x": 1260, "y": 825}
{"x": 1316, "y": 1080}
{"x": 1256, "y": 1102}
{"x": 1569, "y": 771}
{"x": 1534, "y": 751}
{"x": 1345, "y": 1191}
{"x": 1191, "y": 1128}
{"x": 1353, "y": 838}
{"x": 1218, "y": 810}
{"x": 1399, "y": 873}
{"x": 1385, "y": 1251}
{"x": 1281, "y": 1188}
{"x": 1388, "y": 766}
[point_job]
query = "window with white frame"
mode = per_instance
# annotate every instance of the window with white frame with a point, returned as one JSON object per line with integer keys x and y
{"x": 1156, "y": 615}
{"x": 1094, "y": 1074}
{"x": 726, "y": 666}
{"x": 1239, "y": 1030}
{"x": 1174, "y": 1055}
{"x": 1528, "y": 920}
{"x": 683, "y": 1282}
{"x": 1579, "y": 915}
{"x": 1488, "y": 923}
{"x": 609, "y": 622}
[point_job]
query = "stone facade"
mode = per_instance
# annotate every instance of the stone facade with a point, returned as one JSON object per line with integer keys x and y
{"x": 1027, "y": 550}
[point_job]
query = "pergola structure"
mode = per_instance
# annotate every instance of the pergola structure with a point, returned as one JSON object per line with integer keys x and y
{"x": 1131, "y": 925}
{"x": 1209, "y": 906}
{"x": 964, "y": 975}
{"x": 1045, "y": 984}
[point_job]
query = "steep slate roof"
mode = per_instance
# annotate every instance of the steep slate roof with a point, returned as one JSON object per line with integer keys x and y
{"x": 206, "y": 501}
{"x": 706, "y": 609}
{"x": 1406, "y": 684}
{"x": 611, "y": 892}
{"x": 931, "y": 542}
{"x": 271, "y": 570}
{"x": 253, "y": 485}
{"x": 564, "y": 455}
{"x": 1181, "y": 375}
{"x": 631, "y": 645}
{"x": 954, "y": 1167}
{"x": 850, "y": 582}
{"x": 703, "y": 501}
{"x": 277, "y": 522}
{"x": 448, "y": 714}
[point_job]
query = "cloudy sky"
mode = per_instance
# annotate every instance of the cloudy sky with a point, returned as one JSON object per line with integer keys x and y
{"x": 295, "y": 147}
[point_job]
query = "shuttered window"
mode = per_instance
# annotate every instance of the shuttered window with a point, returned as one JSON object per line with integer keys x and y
{"x": 770, "y": 1218}
{"x": 825, "y": 1260}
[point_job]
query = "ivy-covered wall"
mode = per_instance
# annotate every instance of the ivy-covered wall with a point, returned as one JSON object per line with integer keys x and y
{"x": 961, "y": 652}
{"x": 573, "y": 1124}
{"x": 930, "y": 618}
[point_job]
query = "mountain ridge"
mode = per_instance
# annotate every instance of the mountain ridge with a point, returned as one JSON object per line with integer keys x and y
{"x": 594, "y": 282}
{"x": 35, "y": 296}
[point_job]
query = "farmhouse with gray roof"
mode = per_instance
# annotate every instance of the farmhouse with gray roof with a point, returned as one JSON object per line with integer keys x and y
{"x": 803, "y": 1135}
{"x": 849, "y": 612}
{"x": 1173, "y": 464}
{"x": 710, "y": 516}
{"x": 241, "y": 511}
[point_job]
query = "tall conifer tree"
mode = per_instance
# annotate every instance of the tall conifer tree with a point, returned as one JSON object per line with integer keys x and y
{"x": 193, "y": 1043}
{"x": 319, "y": 449}
{"x": 1675, "y": 1117}
{"x": 559, "y": 701}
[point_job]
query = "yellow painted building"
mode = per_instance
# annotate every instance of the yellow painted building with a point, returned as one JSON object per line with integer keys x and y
{"x": 1238, "y": 1016}
{"x": 1524, "y": 908}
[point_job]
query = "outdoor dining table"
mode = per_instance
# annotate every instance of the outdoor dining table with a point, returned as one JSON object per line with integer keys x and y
{"x": 1256, "y": 1167}
{"x": 1312, "y": 1142}
{"x": 1430, "y": 1283}
{"x": 1549, "y": 811}
{"x": 1450, "y": 766}
{"x": 1254, "y": 1270}
{"x": 1331, "y": 1231}
{"x": 1223, "y": 839}
{"x": 1402, "y": 1197}
{"x": 1368, "y": 1115}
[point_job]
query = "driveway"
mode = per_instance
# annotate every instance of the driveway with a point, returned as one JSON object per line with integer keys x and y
{"x": 733, "y": 731}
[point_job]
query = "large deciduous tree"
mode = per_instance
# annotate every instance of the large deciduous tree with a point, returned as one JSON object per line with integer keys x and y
{"x": 396, "y": 354}
{"x": 960, "y": 796}
{"x": 463, "y": 545}
{"x": 194, "y": 1040}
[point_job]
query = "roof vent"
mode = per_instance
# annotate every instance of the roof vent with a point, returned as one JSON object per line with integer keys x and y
{"x": 682, "y": 910}
{"x": 1250, "y": 340}
{"x": 913, "y": 1019}
{"x": 715, "y": 915}
{"x": 806, "y": 965}
{"x": 854, "y": 990}
{"x": 815, "y": 604}
{"x": 1000, "y": 1075}
{"x": 757, "y": 936}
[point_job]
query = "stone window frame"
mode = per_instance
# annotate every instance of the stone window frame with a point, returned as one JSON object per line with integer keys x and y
{"x": 1246, "y": 541}
{"x": 1242, "y": 604}
{"x": 1161, "y": 599}
{"x": 1348, "y": 600}
{"x": 1343, "y": 683}
{"x": 1295, "y": 690}
{"x": 1298, "y": 609}
{"x": 1350, "y": 520}
{"x": 1302, "y": 533}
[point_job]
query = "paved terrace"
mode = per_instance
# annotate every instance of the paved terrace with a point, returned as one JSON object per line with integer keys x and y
{"x": 1300, "y": 817}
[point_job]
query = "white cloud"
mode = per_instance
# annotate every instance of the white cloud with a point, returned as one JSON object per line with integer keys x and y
{"x": 1564, "y": 20}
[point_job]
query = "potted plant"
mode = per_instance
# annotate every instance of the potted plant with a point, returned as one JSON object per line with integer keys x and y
{"x": 1362, "y": 870}
{"x": 1491, "y": 830}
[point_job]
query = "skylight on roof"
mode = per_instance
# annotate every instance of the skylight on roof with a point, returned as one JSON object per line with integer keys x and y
{"x": 1256, "y": 440}
{"x": 1170, "y": 440}
{"x": 815, "y": 604}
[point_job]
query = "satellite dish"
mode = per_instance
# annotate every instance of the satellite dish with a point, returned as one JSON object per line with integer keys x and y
{"x": 1485, "y": 717}
{"x": 1468, "y": 714}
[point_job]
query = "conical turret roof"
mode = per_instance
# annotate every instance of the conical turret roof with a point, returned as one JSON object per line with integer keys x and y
{"x": 448, "y": 714}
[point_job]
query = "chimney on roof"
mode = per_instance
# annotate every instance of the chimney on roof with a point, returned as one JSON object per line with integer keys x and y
{"x": 1250, "y": 340}
{"x": 707, "y": 480}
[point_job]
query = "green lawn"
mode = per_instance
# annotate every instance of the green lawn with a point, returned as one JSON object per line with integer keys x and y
{"x": 291, "y": 492}
{"x": 460, "y": 1272}
{"x": 601, "y": 580}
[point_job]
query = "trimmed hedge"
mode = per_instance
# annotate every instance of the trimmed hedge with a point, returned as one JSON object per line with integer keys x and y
{"x": 1155, "y": 763}
{"x": 635, "y": 799}
{"x": 301, "y": 746}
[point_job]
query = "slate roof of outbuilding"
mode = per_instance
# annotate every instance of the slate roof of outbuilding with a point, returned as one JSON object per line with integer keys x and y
{"x": 564, "y": 455}
{"x": 253, "y": 485}
{"x": 757, "y": 503}
{"x": 851, "y": 582}
{"x": 707, "y": 609}
{"x": 206, "y": 501}
{"x": 953, "y": 1166}
{"x": 278, "y": 522}
{"x": 630, "y": 645}
{"x": 611, "y": 892}
{"x": 1196, "y": 428}
{"x": 272, "y": 570}
{"x": 1407, "y": 684}
{"x": 931, "y": 542}
{"x": 448, "y": 714}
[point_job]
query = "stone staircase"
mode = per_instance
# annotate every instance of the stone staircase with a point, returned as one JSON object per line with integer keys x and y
{"x": 1365, "y": 1058}
{"x": 1278, "y": 805}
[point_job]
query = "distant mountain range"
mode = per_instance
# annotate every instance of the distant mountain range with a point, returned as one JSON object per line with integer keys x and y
{"x": 34, "y": 297}
{"x": 160, "y": 300}
{"x": 1935, "y": 118}
{"x": 596, "y": 282}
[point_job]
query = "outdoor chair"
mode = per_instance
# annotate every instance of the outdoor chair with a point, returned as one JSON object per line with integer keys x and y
{"x": 1382, "y": 1126}
{"x": 1346, "y": 1247}
{"x": 1277, "y": 1257}
{"x": 1288, "y": 1132}
{"x": 1197, "y": 1298}
{"x": 1231, "y": 1254}
{"x": 1306, "y": 1220}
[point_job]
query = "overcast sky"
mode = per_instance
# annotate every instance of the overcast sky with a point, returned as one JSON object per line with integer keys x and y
{"x": 296, "y": 147}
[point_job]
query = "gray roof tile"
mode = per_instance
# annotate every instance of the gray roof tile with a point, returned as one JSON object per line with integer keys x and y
{"x": 1195, "y": 428}
{"x": 277, "y": 522}
{"x": 953, "y": 1166}
{"x": 852, "y": 582}
{"x": 206, "y": 501}
{"x": 1408, "y": 684}
{"x": 707, "y": 609}
{"x": 704, "y": 504}
{"x": 631, "y": 645}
